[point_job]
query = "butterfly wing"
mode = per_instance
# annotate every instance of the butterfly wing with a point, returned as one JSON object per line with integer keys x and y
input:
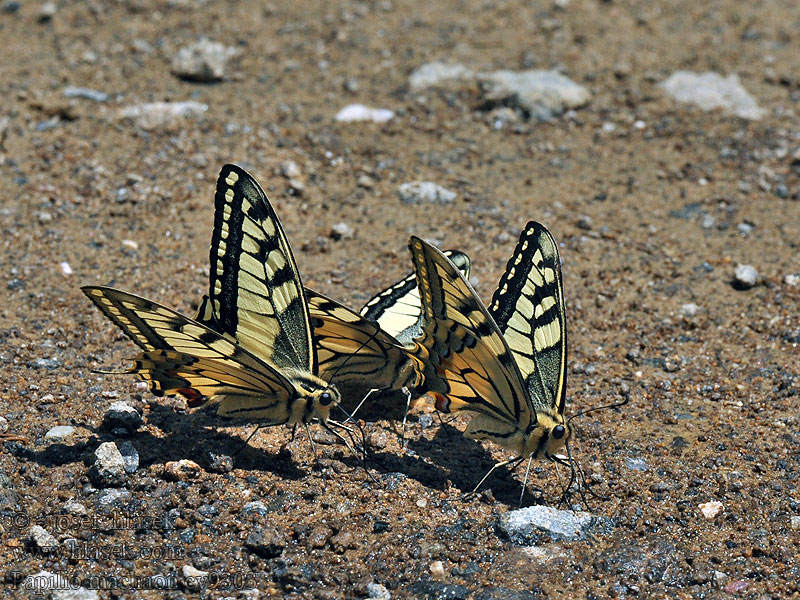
{"x": 466, "y": 362}
{"x": 256, "y": 295}
{"x": 528, "y": 307}
{"x": 351, "y": 349}
{"x": 397, "y": 308}
{"x": 184, "y": 356}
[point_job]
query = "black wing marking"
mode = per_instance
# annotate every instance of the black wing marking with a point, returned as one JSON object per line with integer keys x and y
{"x": 256, "y": 294}
{"x": 528, "y": 307}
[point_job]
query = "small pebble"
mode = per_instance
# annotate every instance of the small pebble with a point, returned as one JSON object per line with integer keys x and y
{"x": 109, "y": 466}
{"x": 85, "y": 94}
{"x": 795, "y": 522}
{"x": 425, "y": 192}
{"x": 745, "y": 276}
{"x": 745, "y": 229}
{"x": 193, "y": 579}
{"x": 122, "y": 415}
{"x": 792, "y": 279}
{"x": 130, "y": 457}
{"x": 636, "y": 464}
{"x": 342, "y": 231}
{"x": 220, "y": 463}
{"x": 290, "y": 170}
{"x": 585, "y": 222}
{"x": 46, "y": 12}
{"x": 65, "y": 268}
{"x": 256, "y": 507}
{"x": 437, "y": 568}
{"x": 181, "y": 470}
{"x": 73, "y": 507}
{"x": 710, "y": 509}
{"x": 267, "y": 542}
{"x": 690, "y": 309}
{"x": 42, "y": 539}
{"x": 708, "y": 221}
{"x": 3, "y": 425}
{"x": 366, "y": 182}
{"x": 59, "y": 432}
{"x": 112, "y": 499}
{"x": 204, "y": 61}
{"x": 359, "y": 112}
{"x": 162, "y": 115}
{"x": 375, "y": 591}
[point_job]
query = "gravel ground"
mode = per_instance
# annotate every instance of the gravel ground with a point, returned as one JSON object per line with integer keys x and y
{"x": 679, "y": 219}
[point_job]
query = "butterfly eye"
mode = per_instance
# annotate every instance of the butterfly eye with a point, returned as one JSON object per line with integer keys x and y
{"x": 558, "y": 432}
{"x": 325, "y": 398}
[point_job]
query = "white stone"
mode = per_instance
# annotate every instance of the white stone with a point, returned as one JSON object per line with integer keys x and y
{"x": 711, "y": 90}
{"x": 439, "y": 74}
{"x": 204, "y": 61}
{"x": 159, "y": 115}
{"x": 59, "y": 432}
{"x": 359, "y": 112}
{"x": 542, "y": 94}
{"x": 710, "y": 509}
{"x": 420, "y": 192}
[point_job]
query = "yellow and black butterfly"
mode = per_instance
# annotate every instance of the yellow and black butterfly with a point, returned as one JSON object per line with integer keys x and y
{"x": 258, "y": 363}
{"x": 369, "y": 348}
{"x": 507, "y": 364}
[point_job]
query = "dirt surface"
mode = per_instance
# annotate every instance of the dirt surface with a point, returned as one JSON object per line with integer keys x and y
{"x": 651, "y": 216}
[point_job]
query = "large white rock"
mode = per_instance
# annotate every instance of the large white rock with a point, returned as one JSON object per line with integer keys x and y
{"x": 711, "y": 90}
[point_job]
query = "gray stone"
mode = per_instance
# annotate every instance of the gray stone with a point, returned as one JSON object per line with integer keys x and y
{"x": 44, "y": 582}
{"x": 439, "y": 74}
{"x": 711, "y": 90}
{"x": 59, "y": 432}
{"x": 342, "y": 231}
{"x": 74, "y": 593}
{"x": 162, "y": 115}
{"x": 527, "y": 526}
{"x": 745, "y": 276}
{"x": 256, "y": 507}
{"x": 636, "y": 464}
{"x": 130, "y": 457}
{"x": 378, "y": 592}
{"x": 422, "y": 192}
{"x": 112, "y": 499}
{"x": 690, "y": 309}
{"x": 109, "y": 466}
{"x": 267, "y": 542}
{"x": 122, "y": 415}
{"x": 359, "y": 112}
{"x": 542, "y": 95}
{"x": 204, "y": 61}
{"x": 791, "y": 279}
{"x": 42, "y": 539}
{"x": 85, "y": 94}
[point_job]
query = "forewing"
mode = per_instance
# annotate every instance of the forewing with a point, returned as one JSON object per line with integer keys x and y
{"x": 397, "y": 309}
{"x": 256, "y": 294}
{"x": 352, "y": 349}
{"x": 528, "y": 307}
{"x": 466, "y": 361}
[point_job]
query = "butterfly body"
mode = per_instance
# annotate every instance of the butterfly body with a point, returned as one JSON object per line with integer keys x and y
{"x": 504, "y": 365}
{"x": 252, "y": 358}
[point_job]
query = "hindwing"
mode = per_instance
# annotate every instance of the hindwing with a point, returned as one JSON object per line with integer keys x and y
{"x": 528, "y": 307}
{"x": 256, "y": 295}
{"x": 397, "y": 308}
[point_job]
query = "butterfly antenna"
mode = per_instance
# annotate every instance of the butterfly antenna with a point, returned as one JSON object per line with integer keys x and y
{"x": 407, "y": 392}
{"x": 247, "y": 441}
{"x": 515, "y": 462}
{"x": 343, "y": 425}
{"x": 360, "y": 404}
{"x": 586, "y": 411}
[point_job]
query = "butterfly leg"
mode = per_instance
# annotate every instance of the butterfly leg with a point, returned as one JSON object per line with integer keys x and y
{"x": 407, "y": 392}
{"x": 247, "y": 441}
{"x": 363, "y": 455}
{"x": 525, "y": 480}
{"x": 510, "y": 461}
{"x": 360, "y": 404}
{"x": 314, "y": 450}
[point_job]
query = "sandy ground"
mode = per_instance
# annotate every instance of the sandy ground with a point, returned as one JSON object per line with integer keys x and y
{"x": 652, "y": 216}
